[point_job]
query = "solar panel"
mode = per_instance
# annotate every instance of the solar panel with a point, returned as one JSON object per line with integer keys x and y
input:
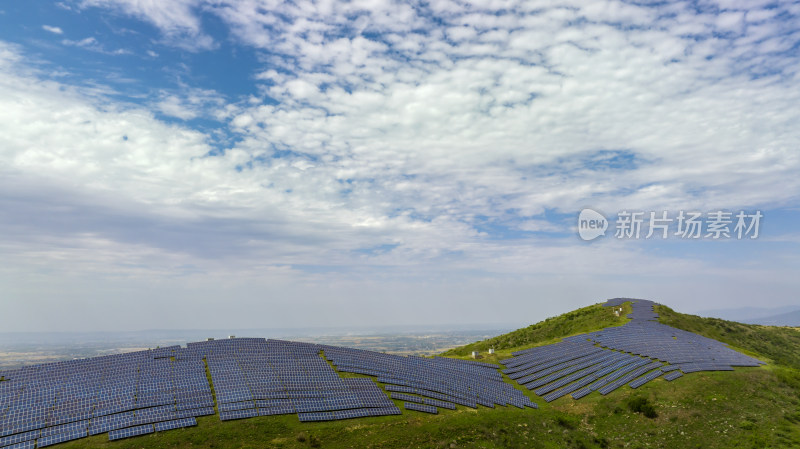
{"x": 316, "y": 416}
{"x": 646, "y": 378}
{"x": 673, "y": 375}
{"x": 23, "y": 445}
{"x": 406, "y": 397}
{"x": 237, "y": 414}
{"x": 130, "y": 432}
{"x": 175, "y": 424}
{"x": 442, "y": 404}
{"x": 420, "y": 407}
{"x": 19, "y": 438}
{"x": 60, "y": 438}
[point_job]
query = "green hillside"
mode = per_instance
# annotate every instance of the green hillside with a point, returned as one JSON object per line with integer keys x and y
{"x": 551, "y": 330}
{"x": 746, "y": 408}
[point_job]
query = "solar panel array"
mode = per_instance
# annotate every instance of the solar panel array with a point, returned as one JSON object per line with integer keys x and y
{"x": 57, "y": 402}
{"x": 632, "y": 354}
{"x": 258, "y": 377}
{"x": 646, "y": 337}
{"x": 157, "y": 390}
{"x": 451, "y": 381}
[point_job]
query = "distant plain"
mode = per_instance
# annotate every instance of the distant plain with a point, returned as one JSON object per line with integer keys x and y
{"x": 29, "y": 348}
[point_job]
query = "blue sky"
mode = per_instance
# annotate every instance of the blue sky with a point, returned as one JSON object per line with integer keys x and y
{"x": 201, "y": 164}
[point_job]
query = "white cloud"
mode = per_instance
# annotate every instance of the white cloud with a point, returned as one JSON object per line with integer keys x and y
{"x": 731, "y": 21}
{"x": 91, "y": 44}
{"x": 173, "y": 106}
{"x": 425, "y": 110}
{"x": 190, "y": 103}
{"x": 52, "y": 29}
{"x": 176, "y": 19}
{"x": 87, "y": 42}
{"x": 394, "y": 130}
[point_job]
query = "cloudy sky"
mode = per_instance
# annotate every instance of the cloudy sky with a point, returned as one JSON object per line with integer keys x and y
{"x": 223, "y": 164}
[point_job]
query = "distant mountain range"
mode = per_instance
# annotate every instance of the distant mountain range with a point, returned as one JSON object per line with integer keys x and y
{"x": 783, "y": 319}
{"x": 777, "y": 316}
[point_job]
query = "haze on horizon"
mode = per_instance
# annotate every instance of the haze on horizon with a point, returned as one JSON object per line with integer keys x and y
{"x": 198, "y": 164}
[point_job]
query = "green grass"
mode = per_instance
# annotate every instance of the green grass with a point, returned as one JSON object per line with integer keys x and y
{"x": 746, "y": 408}
{"x": 462, "y": 428}
{"x": 551, "y": 330}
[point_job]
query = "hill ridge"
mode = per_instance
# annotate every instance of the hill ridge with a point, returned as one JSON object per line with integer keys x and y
{"x": 607, "y": 359}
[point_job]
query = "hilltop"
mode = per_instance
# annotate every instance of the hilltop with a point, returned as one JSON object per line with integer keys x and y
{"x": 551, "y": 330}
{"x": 746, "y": 407}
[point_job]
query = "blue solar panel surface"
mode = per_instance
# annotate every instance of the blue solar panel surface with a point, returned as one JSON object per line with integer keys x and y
{"x": 23, "y": 445}
{"x": 420, "y": 407}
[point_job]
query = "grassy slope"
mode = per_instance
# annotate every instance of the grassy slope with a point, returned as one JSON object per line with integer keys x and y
{"x": 748, "y": 408}
{"x": 551, "y": 330}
